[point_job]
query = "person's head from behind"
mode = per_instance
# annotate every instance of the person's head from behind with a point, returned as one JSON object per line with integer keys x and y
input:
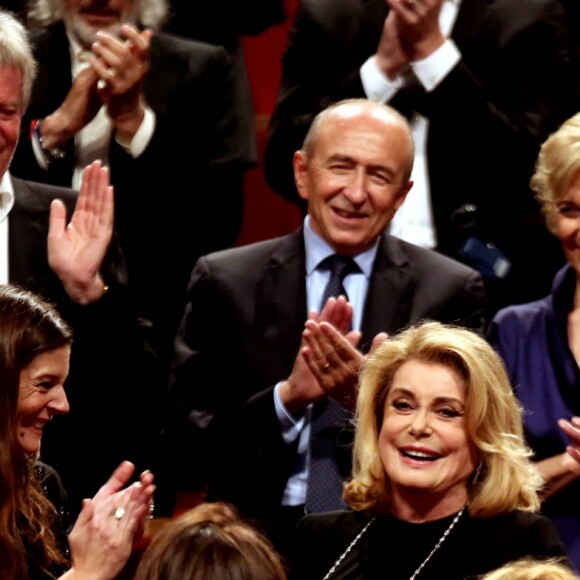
{"x": 438, "y": 427}
{"x": 353, "y": 170}
{"x": 17, "y": 71}
{"x": 210, "y": 542}
{"x": 526, "y": 569}
{"x": 35, "y": 345}
{"x": 556, "y": 182}
{"x": 84, "y": 18}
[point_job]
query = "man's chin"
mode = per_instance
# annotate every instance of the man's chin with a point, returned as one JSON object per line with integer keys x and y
{"x": 85, "y": 33}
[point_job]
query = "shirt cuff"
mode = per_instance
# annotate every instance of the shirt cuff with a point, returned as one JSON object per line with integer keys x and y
{"x": 377, "y": 86}
{"x": 143, "y": 136}
{"x": 290, "y": 426}
{"x": 432, "y": 70}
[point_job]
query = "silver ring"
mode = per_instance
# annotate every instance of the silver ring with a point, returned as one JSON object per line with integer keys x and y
{"x": 151, "y": 510}
{"x": 118, "y": 513}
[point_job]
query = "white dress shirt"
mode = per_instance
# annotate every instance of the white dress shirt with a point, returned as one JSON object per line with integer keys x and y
{"x": 92, "y": 141}
{"x": 413, "y": 222}
{"x": 6, "y": 204}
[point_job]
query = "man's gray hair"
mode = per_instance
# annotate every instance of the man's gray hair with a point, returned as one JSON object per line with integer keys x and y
{"x": 16, "y": 52}
{"x": 151, "y": 13}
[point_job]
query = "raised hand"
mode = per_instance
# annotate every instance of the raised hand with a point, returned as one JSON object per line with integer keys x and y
{"x": 416, "y": 23}
{"x": 78, "y": 109}
{"x": 76, "y": 250}
{"x": 572, "y": 429}
{"x": 302, "y": 386}
{"x": 121, "y": 65}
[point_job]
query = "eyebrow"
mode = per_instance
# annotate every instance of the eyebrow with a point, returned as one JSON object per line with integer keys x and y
{"x": 437, "y": 400}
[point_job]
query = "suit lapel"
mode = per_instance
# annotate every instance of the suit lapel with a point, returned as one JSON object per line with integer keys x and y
{"x": 27, "y": 232}
{"x": 281, "y": 295}
{"x": 388, "y": 303}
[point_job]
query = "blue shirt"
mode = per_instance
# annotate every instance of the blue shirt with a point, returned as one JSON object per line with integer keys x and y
{"x": 356, "y": 286}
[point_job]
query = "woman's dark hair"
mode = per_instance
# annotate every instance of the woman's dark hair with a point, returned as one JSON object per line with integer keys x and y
{"x": 29, "y": 326}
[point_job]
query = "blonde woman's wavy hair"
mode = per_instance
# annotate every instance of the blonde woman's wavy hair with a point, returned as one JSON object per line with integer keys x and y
{"x": 506, "y": 478}
{"x": 557, "y": 165}
{"x": 526, "y": 569}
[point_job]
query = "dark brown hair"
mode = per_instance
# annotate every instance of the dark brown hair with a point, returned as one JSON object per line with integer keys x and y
{"x": 210, "y": 542}
{"x": 28, "y": 327}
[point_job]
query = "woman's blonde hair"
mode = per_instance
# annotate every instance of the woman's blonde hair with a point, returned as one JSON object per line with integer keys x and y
{"x": 526, "y": 569}
{"x": 557, "y": 165}
{"x": 506, "y": 478}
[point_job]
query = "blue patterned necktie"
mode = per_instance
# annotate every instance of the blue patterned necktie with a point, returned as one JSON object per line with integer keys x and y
{"x": 340, "y": 267}
{"x": 328, "y": 419}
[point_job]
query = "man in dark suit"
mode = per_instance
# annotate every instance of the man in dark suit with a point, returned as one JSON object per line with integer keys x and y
{"x": 242, "y": 392}
{"x": 58, "y": 244}
{"x": 159, "y": 111}
{"x": 482, "y": 81}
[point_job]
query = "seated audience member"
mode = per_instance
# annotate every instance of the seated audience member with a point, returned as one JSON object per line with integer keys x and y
{"x": 257, "y": 423}
{"x": 540, "y": 341}
{"x": 483, "y": 84}
{"x": 158, "y": 110}
{"x": 210, "y": 542}
{"x": 62, "y": 250}
{"x": 442, "y": 484}
{"x": 526, "y": 569}
{"x": 35, "y": 346}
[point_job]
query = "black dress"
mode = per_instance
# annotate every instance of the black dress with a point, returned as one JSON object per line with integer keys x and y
{"x": 392, "y": 549}
{"x": 53, "y": 489}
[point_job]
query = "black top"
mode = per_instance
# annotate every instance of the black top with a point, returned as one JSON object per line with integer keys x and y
{"x": 52, "y": 487}
{"x": 393, "y": 549}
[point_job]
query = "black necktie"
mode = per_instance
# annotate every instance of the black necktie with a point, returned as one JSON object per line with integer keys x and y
{"x": 328, "y": 419}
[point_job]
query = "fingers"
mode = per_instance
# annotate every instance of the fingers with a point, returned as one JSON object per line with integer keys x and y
{"x": 86, "y": 513}
{"x": 123, "y": 57}
{"x": 378, "y": 340}
{"x": 328, "y": 347}
{"x": 57, "y": 219}
{"x": 572, "y": 429}
{"x": 117, "y": 481}
{"x": 338, "y": 312}
{"x": 95, "y": 201}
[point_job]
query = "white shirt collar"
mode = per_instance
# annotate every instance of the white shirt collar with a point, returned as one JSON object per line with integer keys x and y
{"x": 6, "y": 204}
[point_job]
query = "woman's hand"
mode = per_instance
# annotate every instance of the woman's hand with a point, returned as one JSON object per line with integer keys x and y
{"x": 108, "y": 525}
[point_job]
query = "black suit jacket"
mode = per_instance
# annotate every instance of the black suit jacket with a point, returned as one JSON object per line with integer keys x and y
{"x": 240, "y": 336}
{"x": 113, "y": 385}
{"x": 182, "y": 197}
{"x": 513, "y": 85}
{"x": 222, "y": 22}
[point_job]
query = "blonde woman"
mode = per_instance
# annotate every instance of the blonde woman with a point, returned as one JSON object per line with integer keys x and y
{"x": 442, "y": 483}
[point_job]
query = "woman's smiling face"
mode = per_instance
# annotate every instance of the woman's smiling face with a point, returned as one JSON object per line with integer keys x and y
{"x": 41, "y": 396}
{"x": 423, "y": 443}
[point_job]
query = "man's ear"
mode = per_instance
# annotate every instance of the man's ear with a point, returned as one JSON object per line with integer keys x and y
{"x": 300, "y": 164}
{"x": 402, "y": 194}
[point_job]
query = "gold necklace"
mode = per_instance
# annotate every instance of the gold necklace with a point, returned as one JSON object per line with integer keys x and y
{"x": 416, "y": 572}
